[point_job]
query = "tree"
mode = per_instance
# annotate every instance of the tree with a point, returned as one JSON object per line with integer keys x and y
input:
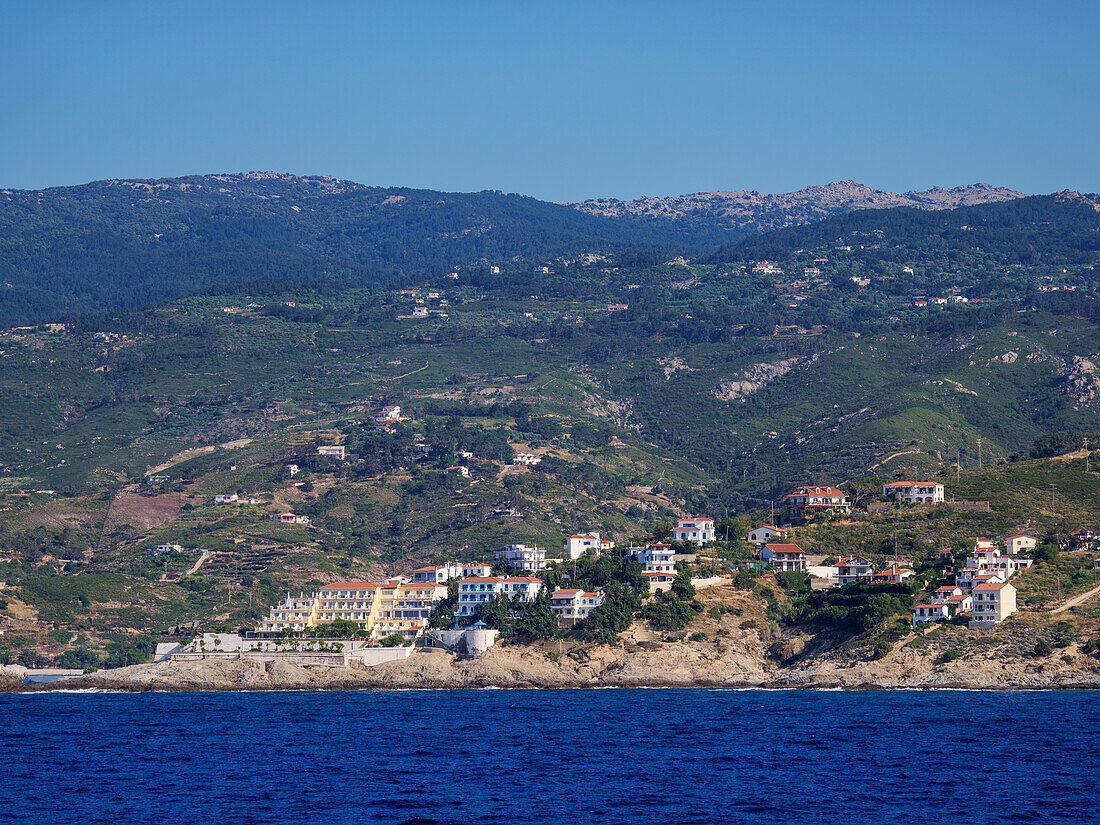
{"x": 682, "y": 588}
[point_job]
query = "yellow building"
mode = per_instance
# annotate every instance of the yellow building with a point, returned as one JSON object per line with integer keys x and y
{"x": 379, "y": 609}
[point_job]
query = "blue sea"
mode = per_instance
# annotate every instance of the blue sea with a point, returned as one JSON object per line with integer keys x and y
{"x": 564, "y": 756}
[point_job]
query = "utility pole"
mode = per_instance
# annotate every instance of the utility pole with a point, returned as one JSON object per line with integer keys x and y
{"x": 958, "y": 466}
{"x": 1086, "y": 453}
{"x": 1052, "y": 498}
{"x": 979, "y": 454}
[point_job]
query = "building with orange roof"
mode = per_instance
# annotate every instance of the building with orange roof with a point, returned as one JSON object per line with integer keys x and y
{"x": 993, "y": 603}
{"x": 785, "y": 558}
{"x": 378, "y": 608}
{"x": 930, "y": 613}
{"x": 805, "y": 502}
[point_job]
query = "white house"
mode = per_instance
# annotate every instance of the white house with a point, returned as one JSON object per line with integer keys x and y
{"x": 420, "y": 312}
{"x": 893, "y": 575}
{"x": 528, "y": 459}
{"x": 231, "y": 498}
{"x": 764, "y": 534}
{"x": 522, "y": 557}
{"x": 332, "y": 450}
{"x": 914, "y": 492}
{"x": 292, "y": 470}
{"x": 930, "y": 613}
{"x": 993, "y": 603}
{"x": 477, "y": 590}
{"x": 654, "y": 558}
{"x": 570, "y": 606}
{"x": 389, "y": 413}
{"x": 452, "y": 570}
{"x": 853, "y": 569}
{"x": 941, "y": 595}
{"x": 459, "y": 470}
{"x": 168, "y": 548}
{"x": 290, "y": 518}
{"x": 698, "y": 531}
{"x": 576, "y": 546}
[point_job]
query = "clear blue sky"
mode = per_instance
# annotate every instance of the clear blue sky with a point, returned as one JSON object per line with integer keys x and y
{"x": 560, "y": 100}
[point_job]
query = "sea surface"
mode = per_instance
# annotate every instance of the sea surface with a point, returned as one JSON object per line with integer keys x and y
{"x": 561, "y": 756}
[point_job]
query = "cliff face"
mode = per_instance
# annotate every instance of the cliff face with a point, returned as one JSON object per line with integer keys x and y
{"x": 756, "y": 211}
{"x": 680, "y": 664}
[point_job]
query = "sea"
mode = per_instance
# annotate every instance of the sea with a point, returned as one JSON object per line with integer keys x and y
{"x": 550, "y": 756}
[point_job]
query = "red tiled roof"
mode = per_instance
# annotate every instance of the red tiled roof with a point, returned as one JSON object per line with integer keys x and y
{"x": 523, "y": 579}
{"x": 785, "y": 548}
{"x": 991, "y": 586}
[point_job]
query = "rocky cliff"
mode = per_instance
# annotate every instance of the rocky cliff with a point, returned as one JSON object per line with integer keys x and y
{"x": 754, "y": 211}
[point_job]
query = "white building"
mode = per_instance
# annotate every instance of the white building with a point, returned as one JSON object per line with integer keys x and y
{"x": 914, "y": 492}
{"x": 452, "y": 570}
{"x": 698, "y": 531}
{"x": 390, "y": 413}
{"x": 292, "y": 470}
{"x": 528, "y": 459}
{"x": 654, "y": 558}
{"x": 333, "y": 451}
{"x": 459, "y": 470}
{"x": 853, "y": 569}
{"x": 570, "y": 606}
{"x": 420, "y": 312}
{"x": 290, "y": 518}
{"x": 231, "y": 498}
{"x": 993, "y": 603}
{"x": 480, "y": 589}
{"x": 168, "y": 548}
{"x": 576, "y": 546}
{"x": 930, "y": 613}
{"x": 764, "y": 534}
{"x": 893, "y": 575}
{"x": 522, "y": 557}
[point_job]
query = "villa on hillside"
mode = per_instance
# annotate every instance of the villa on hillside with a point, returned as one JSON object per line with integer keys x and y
{"x": 522, "y": 557}
{"x": 853, "y": 569}
{"x": 332, "y": 451}
{"x": 785, "y": 558}
{"x": 698, "y": 531}
{"x": 764, "y": 534}
{"x": 914, "y": 492}
{"x": 576, "y": 546}
{"x": 290, "y": 518}
{"x": 805, "y": 502}
{"x": 570, "y": 606}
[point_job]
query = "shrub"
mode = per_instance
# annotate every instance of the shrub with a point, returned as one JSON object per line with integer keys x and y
{"x": 715, "y": 613}
{"x": 698, "y": 637}
{"x": 1042, "y": 648}
{"x": 882, "y": 649}
{"x": 952, "y": 654}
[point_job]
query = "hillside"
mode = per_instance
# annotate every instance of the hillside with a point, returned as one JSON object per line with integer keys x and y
{"x": 113, "y": 244}
{"x": 127, "y": 243}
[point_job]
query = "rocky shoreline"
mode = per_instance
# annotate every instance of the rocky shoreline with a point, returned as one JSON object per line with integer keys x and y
{"x": 679, "y": 665}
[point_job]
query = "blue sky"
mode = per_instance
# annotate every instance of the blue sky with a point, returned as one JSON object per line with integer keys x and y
{"x": 562, "y": 101}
